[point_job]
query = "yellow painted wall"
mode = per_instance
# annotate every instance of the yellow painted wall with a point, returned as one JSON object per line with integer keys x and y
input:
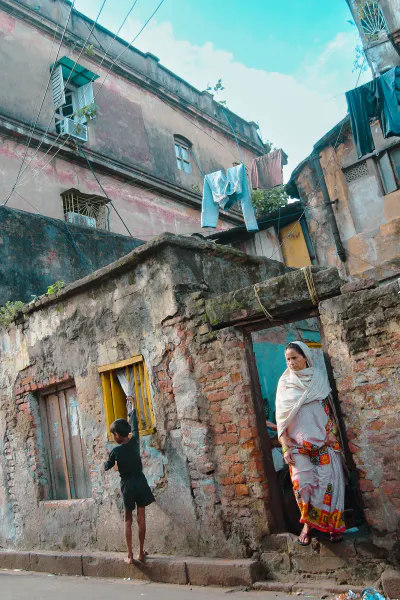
{"x": 294, "y": 247}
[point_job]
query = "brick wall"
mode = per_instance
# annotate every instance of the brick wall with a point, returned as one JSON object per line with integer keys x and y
{"x": 362, "y": 331}
{"x": 218, "y": 426}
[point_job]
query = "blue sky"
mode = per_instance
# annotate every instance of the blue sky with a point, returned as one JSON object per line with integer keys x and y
{"x": 285, "y": 65}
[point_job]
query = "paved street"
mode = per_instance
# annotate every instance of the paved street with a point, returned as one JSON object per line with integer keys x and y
{"x": 34, "y": 586}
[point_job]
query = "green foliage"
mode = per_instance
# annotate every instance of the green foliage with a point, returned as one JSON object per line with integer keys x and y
{"x": 216, "y": 89}
{"x": 360, "y": 62}
{"x": 90, "y": 50}
{"x": 9, "y": 311}
{"x": 87, "y": 112}
{"x": 265, "y": 201}
{"x": 56, "y": 287}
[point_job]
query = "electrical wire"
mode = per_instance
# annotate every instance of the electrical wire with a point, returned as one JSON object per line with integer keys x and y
{"x": 33, "y": 127}
{"x": 66, "y": 84}
{"x": 104, "y": 191}
{"x": 128, "y": 46}
{"x": 112, "y": 64}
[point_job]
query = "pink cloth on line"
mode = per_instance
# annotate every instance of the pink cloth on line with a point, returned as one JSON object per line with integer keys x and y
{"x": 266, "y": 170}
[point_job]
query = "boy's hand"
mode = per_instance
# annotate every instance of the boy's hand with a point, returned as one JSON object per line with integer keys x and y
{"x": 129, "y": 403}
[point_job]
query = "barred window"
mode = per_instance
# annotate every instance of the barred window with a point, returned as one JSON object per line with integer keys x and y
{"x": 127, "y": 377}
{"x": 85, "y": 209}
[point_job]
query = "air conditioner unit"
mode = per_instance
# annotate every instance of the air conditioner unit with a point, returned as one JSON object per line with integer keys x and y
{"x": 78, "y": 219}
{"x": 74, "y": 129}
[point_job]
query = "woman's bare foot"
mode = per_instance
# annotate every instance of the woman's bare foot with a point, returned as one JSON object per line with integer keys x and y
{"x": 305, "y": 536}
{"x": 129, "y": 560}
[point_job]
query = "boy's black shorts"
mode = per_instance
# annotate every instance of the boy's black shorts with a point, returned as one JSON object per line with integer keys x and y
{"x": 136, "y": 491}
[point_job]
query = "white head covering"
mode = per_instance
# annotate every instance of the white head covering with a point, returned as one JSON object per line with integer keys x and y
{"x": 296, "y": 388}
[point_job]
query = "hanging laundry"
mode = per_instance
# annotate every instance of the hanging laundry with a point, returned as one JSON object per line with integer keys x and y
{"x": 266, "y": 170}
{"x": 224, "y": 190}
{"x": 390, "y": 118}
{"x": 377, "y": 99}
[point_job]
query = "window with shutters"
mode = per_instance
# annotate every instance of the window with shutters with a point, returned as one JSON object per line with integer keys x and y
{"x": 64, "y": 447}
{"x": 73, "y": 98}
{"x": 127, "y": 378}
{"x": 182, "y": 153}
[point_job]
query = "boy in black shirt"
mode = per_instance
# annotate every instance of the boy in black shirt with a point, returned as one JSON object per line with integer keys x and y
{"x": 134, "y": 487}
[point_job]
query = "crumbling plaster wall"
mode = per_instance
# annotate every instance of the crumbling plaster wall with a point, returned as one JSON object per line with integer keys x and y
{"x": 153, "y": 306}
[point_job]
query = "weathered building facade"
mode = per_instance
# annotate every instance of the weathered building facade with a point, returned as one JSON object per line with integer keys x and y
{"x": 352, "y": 206}
{"x": 378, "y": 23}
{"x": 180, "y": 314}
{"x": 150, "y": 136}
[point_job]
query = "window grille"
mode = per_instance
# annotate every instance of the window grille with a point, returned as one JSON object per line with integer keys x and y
{"x": 85, "y": 209}
{"x": 127, "y": 377}
{"x": 372, "y": 20}
{"x": 356, "y": 172}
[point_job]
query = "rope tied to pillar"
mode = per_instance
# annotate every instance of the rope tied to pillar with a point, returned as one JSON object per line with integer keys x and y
{"x": 266, "y": 313}
{"x": 312, "y": 290}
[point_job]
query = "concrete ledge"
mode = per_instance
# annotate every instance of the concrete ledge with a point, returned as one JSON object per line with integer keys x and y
{"x": 14, "y": 560}
{"x": 109, "y": 565}
{"x": 273, "y": 586}
{"x": 160, "y": 569}
{"x": 60, "y": 564}
{"x": 220, "y": 572}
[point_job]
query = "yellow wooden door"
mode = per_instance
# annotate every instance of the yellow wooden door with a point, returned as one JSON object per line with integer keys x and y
{"x": 294, "y": 247}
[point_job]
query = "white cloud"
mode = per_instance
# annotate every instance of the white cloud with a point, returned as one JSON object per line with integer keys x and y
{"x": 293, "y": 111}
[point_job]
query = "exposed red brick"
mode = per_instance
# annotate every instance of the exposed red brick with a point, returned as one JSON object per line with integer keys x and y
{"x": 242, "y": 490}
{"x": 218, "y": 396}
{"x": 237, "y": 469}
{"x": 217, "y": 375}
{"x": 223, "y": 418}
{"x": 366, "y": 485}
{"x": 226, "y": 438}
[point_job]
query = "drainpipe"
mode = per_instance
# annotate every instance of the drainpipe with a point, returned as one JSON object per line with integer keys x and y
{"x": 328, "y": 204}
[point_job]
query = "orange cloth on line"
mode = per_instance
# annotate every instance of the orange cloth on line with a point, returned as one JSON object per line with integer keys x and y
{"x": 266, "y": 170}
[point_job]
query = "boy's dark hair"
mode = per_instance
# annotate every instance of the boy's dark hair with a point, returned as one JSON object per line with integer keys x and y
{"x": 121, "y": 427}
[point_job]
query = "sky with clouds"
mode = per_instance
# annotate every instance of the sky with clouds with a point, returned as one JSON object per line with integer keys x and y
{"x": 284, "y": 64}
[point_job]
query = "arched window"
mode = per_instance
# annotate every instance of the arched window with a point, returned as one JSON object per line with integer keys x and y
{"x": 182, "y": 153}
{"x": 372, "y": 20}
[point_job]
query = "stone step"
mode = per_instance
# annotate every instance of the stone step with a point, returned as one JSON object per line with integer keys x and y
{"x": 157, "y": 568}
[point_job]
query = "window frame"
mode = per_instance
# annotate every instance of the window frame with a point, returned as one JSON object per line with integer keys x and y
{"x": 179, "y": 145}
{"x": 67, "y": 449}
{"x": 396, "y": 176}
{"x": 114, "y": 398}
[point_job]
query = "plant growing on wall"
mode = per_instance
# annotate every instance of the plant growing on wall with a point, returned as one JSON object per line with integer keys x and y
{"x": 9, "y": 311}
{"x": 215, "y": 90}
{"x": 265, "y": 201}
{"x": 55, "y": 288}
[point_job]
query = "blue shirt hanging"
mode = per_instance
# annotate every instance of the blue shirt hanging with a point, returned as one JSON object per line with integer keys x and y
{"x": 224, "y": 190}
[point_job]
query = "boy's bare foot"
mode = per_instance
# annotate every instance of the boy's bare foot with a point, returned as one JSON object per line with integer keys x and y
{"x": 129, "y": 560}
{"x": 142, "y": 556}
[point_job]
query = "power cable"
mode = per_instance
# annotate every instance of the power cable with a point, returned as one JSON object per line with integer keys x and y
{"x": 42, "y": 102}
{"x": 104, "y": 191}
{"x": 128, "y": 46}
{"x": 66, "y": 84}
{"x": 112, "y": 64}
{"x": 63, "y": 226}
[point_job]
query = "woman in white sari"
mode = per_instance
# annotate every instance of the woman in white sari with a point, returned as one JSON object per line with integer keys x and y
{"x": 308, "y": 432}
